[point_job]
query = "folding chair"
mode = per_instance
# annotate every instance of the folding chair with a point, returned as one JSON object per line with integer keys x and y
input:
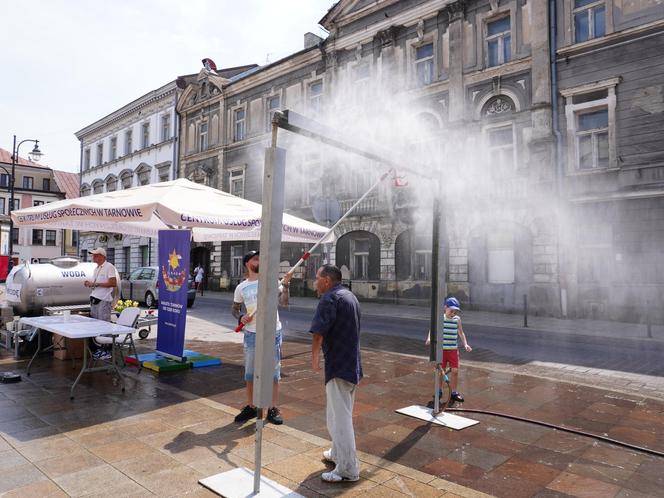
{"x": 129, "y": 318}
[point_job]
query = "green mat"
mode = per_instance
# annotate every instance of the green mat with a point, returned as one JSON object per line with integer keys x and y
{"x": 165, "y": 365}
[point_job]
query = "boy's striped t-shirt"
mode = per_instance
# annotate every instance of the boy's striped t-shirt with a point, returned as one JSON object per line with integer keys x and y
{"x": 450, "y": 333}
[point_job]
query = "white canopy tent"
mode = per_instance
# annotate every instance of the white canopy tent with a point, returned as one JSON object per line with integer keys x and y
{"x": 212, "y": 215}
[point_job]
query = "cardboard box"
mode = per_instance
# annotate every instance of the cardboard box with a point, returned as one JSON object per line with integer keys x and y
{"x": 74, "y": 348}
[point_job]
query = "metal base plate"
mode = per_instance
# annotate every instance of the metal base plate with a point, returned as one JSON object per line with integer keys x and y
{"x": 445, "y": 419}
{"x": 239, "y": 483}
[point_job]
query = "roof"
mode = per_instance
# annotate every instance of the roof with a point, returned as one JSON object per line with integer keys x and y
{"x": 68, "y": 183}
{"x": 6, "y": 157}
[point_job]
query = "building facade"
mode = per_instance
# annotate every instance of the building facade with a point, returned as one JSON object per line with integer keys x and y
{"x": 133, "y": 146}
{"x": 548, "y": 165}
{"x": 34, "y": 185}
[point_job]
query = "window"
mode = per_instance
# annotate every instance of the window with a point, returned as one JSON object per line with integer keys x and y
{"x": 126, "y": 253}
{"x": 50, "y": 237}
{"x": 111, "y": 184}
{"x": 85, "y": 190}
{"x": 128, "y": 142}
{"x": 360, "y": 259}
{"x": 86, "y": 159}
{"x": 2, "y": 205}
{"x": 113, "y": 149}
{"x": 501, "y": 149}
{"x": 424, "y": 64}
{"x": 144, "y": 177}
{"x": 164, "y": 174}
{"x": 16, "y": 205}
{"x": 4, "y": 180}
{"x": 589, "y": 20}
{"x": 422, "y": 257}
{"x": 100, "y": 154}
{"x": 236, "y": 182}
{"x": 592, "y": 139}
{"x": 75, "y": 238}
{"x": 239, "y": 125}
{"x": 202, "y": 137}
{"x": 590, "y": 116}
{"x": 38, "y": 203}
{"x": 145, "y": 255}
{"x": 110, "y": 255}
{"x": 500, "y": 246}
{"x": 97, "y": 187}
{"x": 38, "y": 237}
{"x": 272, "y": 105}
{"x": 46, "y": 184}
{"x": 165, "y": 127}
{"x": 361, "y": 74}
{"x": 312, "y": 188}
{"x": 28, "y": 182}
{"x": 14, "y": 235}
{"x": 145, "y": 136}
{"x": 236, "y": 261}
{"x": 125, "y": 179}
{"x": 316, "y": 96}
{"x": 498, "y": 42}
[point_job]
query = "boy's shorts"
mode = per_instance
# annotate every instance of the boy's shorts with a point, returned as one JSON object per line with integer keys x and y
{"x": 451, "y": 356}
{"x": 250, "y": 354}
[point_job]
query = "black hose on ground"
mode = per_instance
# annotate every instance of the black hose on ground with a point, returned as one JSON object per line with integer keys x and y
{"x": 578, "y": 432}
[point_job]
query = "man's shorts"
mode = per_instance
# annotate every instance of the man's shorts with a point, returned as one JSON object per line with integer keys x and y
{"x": 451, "y": 356}
{"x": 250, "y": 354}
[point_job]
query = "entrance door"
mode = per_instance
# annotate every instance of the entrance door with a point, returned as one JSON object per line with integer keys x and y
{"x": 200, "y": 256}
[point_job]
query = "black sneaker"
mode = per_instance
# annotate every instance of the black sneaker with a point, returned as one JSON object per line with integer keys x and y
{"x": 457, "y": 397}
{"x": 274, "y": 416}
{"x": 247, "y": 413}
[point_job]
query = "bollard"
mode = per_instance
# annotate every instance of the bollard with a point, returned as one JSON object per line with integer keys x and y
{"x": 525, "y": 310}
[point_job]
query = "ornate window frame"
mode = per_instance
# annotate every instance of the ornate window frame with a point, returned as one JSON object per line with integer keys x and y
{"x": 573, "y": 110}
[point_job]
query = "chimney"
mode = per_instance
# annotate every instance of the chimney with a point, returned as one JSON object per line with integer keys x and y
{"x": 311, "y": 40}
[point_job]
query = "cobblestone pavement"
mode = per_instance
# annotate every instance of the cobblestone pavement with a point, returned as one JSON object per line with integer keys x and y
{"x": 168, "y": 431}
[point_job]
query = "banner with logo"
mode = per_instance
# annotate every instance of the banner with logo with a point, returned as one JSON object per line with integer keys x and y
{"x": 173, "y": 281}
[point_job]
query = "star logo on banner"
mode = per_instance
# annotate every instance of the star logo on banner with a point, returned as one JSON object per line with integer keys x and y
{"x": 173, "y": 260}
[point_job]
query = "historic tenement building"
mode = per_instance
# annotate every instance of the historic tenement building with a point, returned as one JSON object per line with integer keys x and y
{"x": 549, "y": 166}
{"x": 134, "y": 145}
{"x": 610, "y": 67}
{"x": 34, "y": 185}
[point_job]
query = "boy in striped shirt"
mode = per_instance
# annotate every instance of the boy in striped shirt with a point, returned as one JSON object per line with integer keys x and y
{"x": 452, "y": 330}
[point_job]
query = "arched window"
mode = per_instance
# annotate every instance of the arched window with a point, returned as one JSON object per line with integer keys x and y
{"x": 500, "y": 135}
{"x": 143, "y": 174}
{"x": 126, "y": 179}
{"x": 359, "y": 251}
{"x": 85, "y": 190}
{"x": 97, "y": 187}
{"x": 111, "y": 183}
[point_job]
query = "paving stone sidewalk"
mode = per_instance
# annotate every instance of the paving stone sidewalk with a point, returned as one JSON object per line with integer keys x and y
{"x": 168, "y": 431}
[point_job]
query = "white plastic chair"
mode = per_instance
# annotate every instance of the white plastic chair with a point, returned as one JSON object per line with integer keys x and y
{"x": 128, "y": 317}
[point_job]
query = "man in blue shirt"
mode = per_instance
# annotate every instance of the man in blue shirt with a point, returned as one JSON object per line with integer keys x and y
{"x": 336, "y": 327}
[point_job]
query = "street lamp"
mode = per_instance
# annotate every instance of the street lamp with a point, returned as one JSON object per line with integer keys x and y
{"x": 35, "y": 155}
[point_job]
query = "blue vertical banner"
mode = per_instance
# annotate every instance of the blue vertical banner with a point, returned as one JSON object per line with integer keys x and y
{"x": 174, "y": 246}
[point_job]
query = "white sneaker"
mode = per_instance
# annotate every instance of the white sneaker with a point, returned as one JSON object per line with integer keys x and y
{"x": 327, "y": 455}
{"x": 334, "y": 477}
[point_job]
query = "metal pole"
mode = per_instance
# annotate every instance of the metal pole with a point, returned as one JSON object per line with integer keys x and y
{"x": 10, "y": 264}
{"x": 266, "y": 316}
{"x": 525, "y": 310}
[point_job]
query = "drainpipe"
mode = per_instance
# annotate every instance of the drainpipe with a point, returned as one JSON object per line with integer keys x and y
{"x": 80, "y": 182}
{"x": 558, "y": 151}
{"x": 176, "y": 129}
{"x": 553, "y": 44}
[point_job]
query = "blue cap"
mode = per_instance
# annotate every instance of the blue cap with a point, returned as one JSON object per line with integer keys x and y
{"x": 453, "y": 303}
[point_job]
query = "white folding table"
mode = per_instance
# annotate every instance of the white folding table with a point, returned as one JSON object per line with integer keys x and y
{"x": 78, "y": 327}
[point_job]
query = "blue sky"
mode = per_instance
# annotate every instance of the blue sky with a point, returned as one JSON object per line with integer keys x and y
{"x": 65, "y": 64}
